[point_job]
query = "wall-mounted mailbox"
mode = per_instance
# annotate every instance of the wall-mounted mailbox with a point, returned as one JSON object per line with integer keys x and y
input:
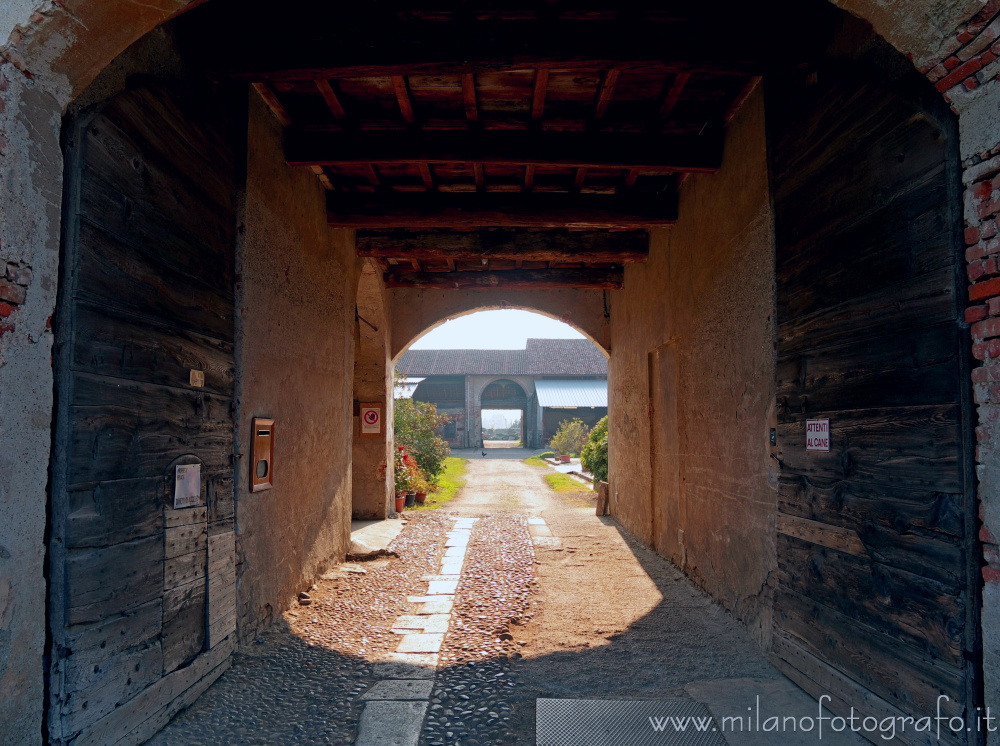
{"x": 262, "y": 455}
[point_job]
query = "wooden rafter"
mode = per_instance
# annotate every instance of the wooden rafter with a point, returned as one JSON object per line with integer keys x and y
{"x": 529, "y": 177}
{"x": 402, "y": 90}
{"x": 606, "y": 92}
{"x": 526, "y": 279}
{"x": 578, "y": 179}
{"x": 271, "y": 99}
{"x": 649, "y": 153}
{"x": 741, "y": 98}
{"x": 672, "y": 95}
{"x": 323, "y": 178}
{"x": 619, "y": 247}
{"x": 332, "y": 102}
{"x": 630, "y": 177}
{"x": 469, "y": 97}
{"x": 477, "y": 170}
{"x": 469, "y": 211}
{"x": 538, "y": 95}
{"x": 371, "y": 175}
{"x": 425, "y": 174}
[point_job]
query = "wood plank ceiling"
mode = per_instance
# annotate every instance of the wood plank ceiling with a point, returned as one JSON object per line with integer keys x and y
{"x": 486, "y": 146}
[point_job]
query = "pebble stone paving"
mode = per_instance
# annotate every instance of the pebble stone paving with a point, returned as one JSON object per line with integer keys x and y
{"x": 303, "y": 681}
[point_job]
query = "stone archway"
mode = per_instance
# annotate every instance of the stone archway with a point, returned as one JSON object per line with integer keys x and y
{"x": 56, "y": 49}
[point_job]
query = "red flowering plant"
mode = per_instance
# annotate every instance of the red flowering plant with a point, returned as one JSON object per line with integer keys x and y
{"x": 404, "y": 469}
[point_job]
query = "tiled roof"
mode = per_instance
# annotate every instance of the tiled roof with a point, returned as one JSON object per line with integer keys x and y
{"x": 541, "y": 357}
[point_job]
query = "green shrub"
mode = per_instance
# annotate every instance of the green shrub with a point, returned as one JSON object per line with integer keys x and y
{"x": 594, "y": 457}
{"x": 415, "y": 425}
{"x": 570, "y": 436}
{"x": 546, "y": 454}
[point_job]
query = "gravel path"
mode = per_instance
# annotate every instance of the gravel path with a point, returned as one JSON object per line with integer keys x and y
{"x": 551, "y": 602}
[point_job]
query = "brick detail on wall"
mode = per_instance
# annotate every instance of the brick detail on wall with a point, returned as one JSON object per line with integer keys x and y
{"x": 982, "y": 211}
{"x": 972, "y": 56}
{"x": 14, "y": 280}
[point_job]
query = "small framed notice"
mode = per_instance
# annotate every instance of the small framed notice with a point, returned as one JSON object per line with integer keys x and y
{"x": 371, "y": 420}
{"x": 817, "y": 435}
{"x": 187, "y": 485}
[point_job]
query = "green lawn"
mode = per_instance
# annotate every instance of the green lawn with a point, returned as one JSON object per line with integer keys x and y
{"x": 535, "y": 461}
{"x": 451, "y": 481}
{"x": 564, "y": 483}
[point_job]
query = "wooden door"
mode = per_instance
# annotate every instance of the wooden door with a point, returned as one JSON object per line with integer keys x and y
{"x": 876, "y": 594}
{"x": 146, "y": 297}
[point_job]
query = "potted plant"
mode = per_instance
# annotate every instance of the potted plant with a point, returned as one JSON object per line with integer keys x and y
{"x": 420, "y": 486}
{"x": 401, "y": 475}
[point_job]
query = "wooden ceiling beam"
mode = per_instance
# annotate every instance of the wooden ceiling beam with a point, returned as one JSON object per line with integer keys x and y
{"x": 648, "y": 153}
{"x": 618, "y": 247}
{"x": 514, "y": 279}
{"x": 470, "y": 211}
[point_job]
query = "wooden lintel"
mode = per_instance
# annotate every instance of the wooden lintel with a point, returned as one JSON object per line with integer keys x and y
{"x": 515, "y": 279}
{"x": 619, "y": 247}
{"x": 469, "y": 211}
{"x": 649, "y": 153}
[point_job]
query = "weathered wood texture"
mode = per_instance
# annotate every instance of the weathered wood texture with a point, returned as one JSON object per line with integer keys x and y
{"x": 221, "y": 587}
{"x": 149, "y": 247}
{"x": 873, "y": 603}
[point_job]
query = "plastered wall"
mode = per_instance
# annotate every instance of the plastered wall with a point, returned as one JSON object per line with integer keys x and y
{"x": 372, "y": 479}
{"x": 691, "y": 382}
{"x": 296, "y": 281}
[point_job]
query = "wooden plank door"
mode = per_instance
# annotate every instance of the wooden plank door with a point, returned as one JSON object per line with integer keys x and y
{"x": 146, "y": 298}
{"x": 876, "y": 594}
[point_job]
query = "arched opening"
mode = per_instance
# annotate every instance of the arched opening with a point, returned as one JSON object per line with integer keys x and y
{"x": 874, "y": 221}
{"x": 504, "y": 395}
{"x": 493, "y": 366}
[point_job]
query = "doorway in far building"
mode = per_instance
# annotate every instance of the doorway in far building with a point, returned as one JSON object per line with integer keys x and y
{"x": 502, "y": 402}
{"x": 502, "y": 428}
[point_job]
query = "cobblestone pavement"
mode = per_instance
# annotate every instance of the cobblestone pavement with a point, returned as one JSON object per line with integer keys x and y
{"x": 551, "y": 601}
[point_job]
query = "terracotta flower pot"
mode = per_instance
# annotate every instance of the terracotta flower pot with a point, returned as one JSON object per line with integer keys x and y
{"x": 400, "y": 501}
{"x": 564, "y": 459}
{"x": 410, "y": 500}
{"x": 421, "y": 496}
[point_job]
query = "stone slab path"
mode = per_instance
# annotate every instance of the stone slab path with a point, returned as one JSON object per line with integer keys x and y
{"x": 516, "y": 593}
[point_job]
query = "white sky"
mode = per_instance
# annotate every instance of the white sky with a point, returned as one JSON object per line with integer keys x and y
{"x": 494, "y": 330}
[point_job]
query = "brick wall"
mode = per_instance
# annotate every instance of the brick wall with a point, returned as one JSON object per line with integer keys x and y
{"x": 14, "y": 281}
{"x": 972, "y": 56}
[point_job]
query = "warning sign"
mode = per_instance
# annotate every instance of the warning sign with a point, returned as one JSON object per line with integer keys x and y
{"x": 817, "y": 435}
{"x": 371, "y": 420}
